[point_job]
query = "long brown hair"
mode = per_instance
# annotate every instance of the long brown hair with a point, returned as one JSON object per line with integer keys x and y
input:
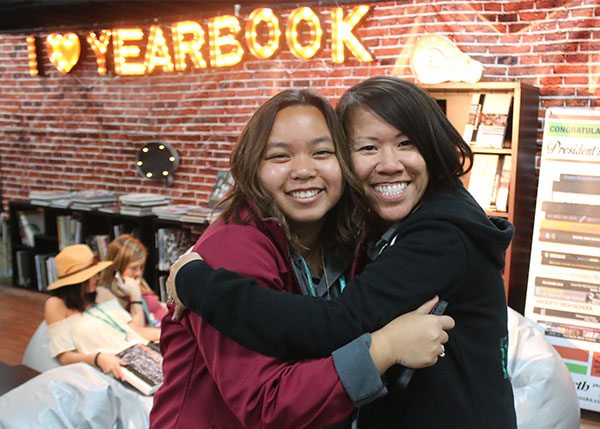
{"x": 343, "y": 223}
{"x": 122, "y": 251}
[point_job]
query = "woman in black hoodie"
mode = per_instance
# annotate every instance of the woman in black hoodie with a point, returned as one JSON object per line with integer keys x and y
{"x": 434, "y": 240}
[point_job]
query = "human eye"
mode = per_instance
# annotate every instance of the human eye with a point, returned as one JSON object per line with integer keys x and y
{"x": 405, "y": 143}
{"x": 277, "y": 156}
{"x": 324, "y": 152}
{"x": 365, "y": 148}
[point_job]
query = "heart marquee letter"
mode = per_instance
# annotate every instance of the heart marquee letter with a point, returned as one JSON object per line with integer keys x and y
{"x": 63, "y": 51}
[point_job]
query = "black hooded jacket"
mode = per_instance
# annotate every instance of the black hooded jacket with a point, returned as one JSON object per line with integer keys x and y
{"x": 447, "y": 247}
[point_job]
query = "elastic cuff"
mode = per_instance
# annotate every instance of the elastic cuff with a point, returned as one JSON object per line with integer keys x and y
{"x": 357, "y": 372}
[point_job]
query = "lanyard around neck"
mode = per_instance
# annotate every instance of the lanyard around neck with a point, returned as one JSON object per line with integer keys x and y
{"x": 109, "y": 320}
{"x": 342, "y": 279}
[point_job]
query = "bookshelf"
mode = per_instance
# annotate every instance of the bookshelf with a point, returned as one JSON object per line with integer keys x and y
{"x": 172, "y": 238}
{"x": 92, "y": 223}
{"x": 520, "y": 146}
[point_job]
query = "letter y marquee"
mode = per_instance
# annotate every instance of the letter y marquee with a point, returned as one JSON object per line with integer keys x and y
{"x": 137, "y": 51}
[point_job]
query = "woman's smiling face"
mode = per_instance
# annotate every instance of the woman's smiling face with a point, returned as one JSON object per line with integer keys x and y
{"x": 391, "y": 168}
{"x": 300, "y": 168}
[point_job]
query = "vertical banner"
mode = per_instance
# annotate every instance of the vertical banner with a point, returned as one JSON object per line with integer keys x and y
{"x": 563, "y": 291}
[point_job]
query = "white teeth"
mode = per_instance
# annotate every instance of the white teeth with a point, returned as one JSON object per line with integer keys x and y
{"x": 304, "y": 194}
{"x": 390, "y": 190}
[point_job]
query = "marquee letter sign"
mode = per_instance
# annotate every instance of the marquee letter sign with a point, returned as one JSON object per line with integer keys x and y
{"x": 63, "y": 51}
{"x": 124, "y": 50}
{"x": 188, "y": 39}
{"x": 220, "y": 45}
{"x": 99, "y": 47}
{"x": 257, "y": 17}
{"x": 303, "y": 14}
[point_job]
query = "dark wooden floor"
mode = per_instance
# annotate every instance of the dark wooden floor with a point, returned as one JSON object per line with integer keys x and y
{"x": 21, "y": 311}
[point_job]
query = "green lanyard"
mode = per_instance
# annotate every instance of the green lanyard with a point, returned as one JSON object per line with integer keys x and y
{"x": 310, "y": 282}
{"x": 147, "y": 312}
{"x": 109, "y": 321}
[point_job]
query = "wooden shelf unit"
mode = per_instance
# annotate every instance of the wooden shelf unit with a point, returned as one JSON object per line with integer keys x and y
{"x": 523, "y": 183}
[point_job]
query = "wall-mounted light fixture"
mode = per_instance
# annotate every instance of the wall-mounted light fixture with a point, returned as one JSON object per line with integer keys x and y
{"x": 436, "y": 59}
{"x": 157, "y": 161}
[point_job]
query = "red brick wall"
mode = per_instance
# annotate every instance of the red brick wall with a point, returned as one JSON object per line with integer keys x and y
{"x": 83, "y": 129}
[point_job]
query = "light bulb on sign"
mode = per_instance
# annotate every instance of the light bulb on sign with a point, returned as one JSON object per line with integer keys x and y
{"x": 262, "y": 15}
{"x": 315, "y": 33}
{"x": 32, "y": 53}
{"x": 436, "y": 59}
{"x": 63, "y": 50}
{"x": 188, "y": 38}
{"x": 99, "y": 47}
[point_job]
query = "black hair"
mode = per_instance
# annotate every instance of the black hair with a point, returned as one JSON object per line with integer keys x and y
{"x": 418, "y": 116}
{"x": 74, "y": 297}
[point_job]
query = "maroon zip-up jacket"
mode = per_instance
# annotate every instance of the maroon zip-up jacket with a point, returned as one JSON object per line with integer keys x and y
{"x": 211, "y": 381}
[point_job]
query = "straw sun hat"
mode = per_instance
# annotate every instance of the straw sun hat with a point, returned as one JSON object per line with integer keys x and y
{"x": 75, "y": 264}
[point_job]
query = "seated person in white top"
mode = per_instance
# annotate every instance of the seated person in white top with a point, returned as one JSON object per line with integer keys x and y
{"x": 86, "y": 323}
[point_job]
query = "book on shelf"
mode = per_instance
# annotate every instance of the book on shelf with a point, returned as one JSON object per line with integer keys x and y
{"x": 172, "y": 211}
{"x": 223, "y": 183}
{"x": 136, "y": 211}
{"x": 139, "y": 199}
{"x": 86, "y": 206}
{"x": 45, "y": 271}
{"x": 99, "y": 244}
{"x": 144, "y": 368}
{"x": 69, "y": 231}
{"x": 38, "y": 272}
{"x": 495, "y": 115}
{"x": 172, "y": 243}
{"x": 497, "y": 176}
{"x": 482, "y": 178}
{"x": 118, "y": 229}
{"x": 113, "y": 208}
{"x": 92, "y": 196}
{"x": 51, "y": 270}
{"x": 48, "y": 195}
{"x": 501, "y": 201}
{"x": 31, "y": 222}
{"x": 162, "y": 288}
{"x": 473, "y": 118}
{"x": 25, "y": 269}
{"x": 62, "y": 203}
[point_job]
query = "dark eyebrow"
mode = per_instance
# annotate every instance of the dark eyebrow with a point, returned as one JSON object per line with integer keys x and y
{"x": 372, "y": 138}
{"x": 322, "y": 139}
{"x": 313, "y": 142}
{"x": 277, "y": 144}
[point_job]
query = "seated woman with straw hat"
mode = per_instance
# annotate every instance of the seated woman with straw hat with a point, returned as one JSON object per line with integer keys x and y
{"x": 86, "y": 323}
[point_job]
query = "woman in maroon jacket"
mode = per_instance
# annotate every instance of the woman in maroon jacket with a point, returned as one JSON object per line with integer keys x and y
{"x": 291, "y": 184}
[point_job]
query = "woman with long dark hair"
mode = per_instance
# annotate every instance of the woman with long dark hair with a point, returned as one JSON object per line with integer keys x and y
{"x": 433, "y": 239}
{"x": 86, "y": 323}
{"x": 291, "y": 222}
